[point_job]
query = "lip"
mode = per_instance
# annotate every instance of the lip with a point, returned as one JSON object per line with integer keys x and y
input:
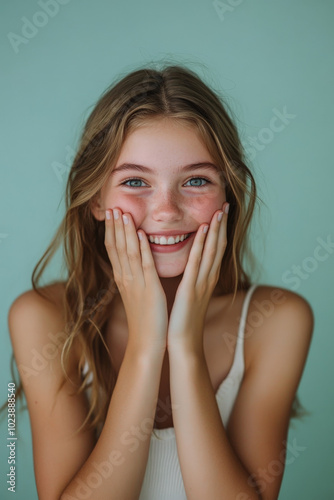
{"x": 170, "y": 233}
{"x": 171, "y": 248}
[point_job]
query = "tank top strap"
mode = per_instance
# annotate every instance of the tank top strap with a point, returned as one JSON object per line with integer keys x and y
{"x": 239, "y": 362}
{"x": 245, "y": 305}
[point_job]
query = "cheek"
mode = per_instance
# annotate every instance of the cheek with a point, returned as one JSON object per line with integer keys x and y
{"x": 130, "y": 204}
{"x": 203, "y": 207}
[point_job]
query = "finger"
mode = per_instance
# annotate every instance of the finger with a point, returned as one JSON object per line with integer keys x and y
{"x": 222, "y": 242}
{"x": 110, "y": 243}
{"x": 133, "y": 247}
{"x": 195, "y": 256}
{"x": 148, "y": 265}
{"x": 121, "y": 245}
{"x": 214, "y": 247}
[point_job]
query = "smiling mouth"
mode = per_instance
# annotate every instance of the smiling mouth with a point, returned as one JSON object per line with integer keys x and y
{"x": 168, "y": 240}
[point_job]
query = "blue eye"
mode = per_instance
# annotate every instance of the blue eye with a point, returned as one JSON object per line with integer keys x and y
{"x": 135, "y": 181}
{"x": 197, "y": 181}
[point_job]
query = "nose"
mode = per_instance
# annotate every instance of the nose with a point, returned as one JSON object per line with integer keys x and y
{"x": 166, "y": 206}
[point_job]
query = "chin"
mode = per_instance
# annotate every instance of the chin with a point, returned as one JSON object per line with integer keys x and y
{"x": 169, "y": 275}
{"x": 169, "y": 271}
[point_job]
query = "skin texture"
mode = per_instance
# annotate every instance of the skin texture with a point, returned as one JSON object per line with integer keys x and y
{"x": 165, "y": 297}
{"x": 163, "y": 202}
{"x": 156, "y": 202}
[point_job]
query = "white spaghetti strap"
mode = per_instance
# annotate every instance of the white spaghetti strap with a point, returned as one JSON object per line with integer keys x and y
{"x": 245, "y": 310}
{"x": 229, "y": 388}
{"x": 238, "y": 364}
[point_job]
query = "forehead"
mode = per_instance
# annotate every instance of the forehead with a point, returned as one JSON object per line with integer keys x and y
{"x": 164, "y": 142}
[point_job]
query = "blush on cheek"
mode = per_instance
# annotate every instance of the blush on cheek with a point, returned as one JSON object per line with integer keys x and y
{"x": 206, "y": 207}
{"x": 135, "y": 206}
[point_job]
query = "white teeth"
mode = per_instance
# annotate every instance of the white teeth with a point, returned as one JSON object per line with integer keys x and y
{"x": 170, "y": 241}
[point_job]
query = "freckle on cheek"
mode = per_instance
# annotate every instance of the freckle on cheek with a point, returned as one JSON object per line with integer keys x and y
{"x": 137, "y": 208}
{"x": 206, "y": 205}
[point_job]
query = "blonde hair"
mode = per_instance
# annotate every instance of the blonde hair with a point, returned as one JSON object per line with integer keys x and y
{"x": 177, "y": 93}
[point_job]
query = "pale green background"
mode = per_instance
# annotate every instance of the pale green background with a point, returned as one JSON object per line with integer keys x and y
{"x": 264, "y": 55}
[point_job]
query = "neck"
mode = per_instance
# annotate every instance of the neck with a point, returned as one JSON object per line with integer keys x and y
{"x": 170, "y": 286}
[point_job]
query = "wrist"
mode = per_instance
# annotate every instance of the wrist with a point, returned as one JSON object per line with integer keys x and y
{"x": 145, "y": 353}
{"x": 187, "y": 350}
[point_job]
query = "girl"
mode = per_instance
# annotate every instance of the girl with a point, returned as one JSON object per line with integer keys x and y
{"x": 162, "y": 372}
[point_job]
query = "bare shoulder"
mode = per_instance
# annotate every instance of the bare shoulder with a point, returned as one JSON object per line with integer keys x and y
{"x": 42, "y": 306}
{"x": 37, "y": 326}
{"x": 279, "y": 323}
{"x": 46, "y": 297}
{"x": 270, "y": 298}
{"x": 275, "y": 302}
{"x": 278, "y": 333}
{"x": 56, "y": 408}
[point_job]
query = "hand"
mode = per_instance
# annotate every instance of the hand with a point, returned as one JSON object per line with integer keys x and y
{"x": 187, "y": 318}
{"x": 138, "y": 283}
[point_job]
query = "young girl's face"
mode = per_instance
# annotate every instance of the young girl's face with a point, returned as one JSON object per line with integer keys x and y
{"x": 174, "y": 188}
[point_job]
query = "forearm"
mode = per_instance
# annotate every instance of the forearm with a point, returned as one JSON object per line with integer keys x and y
{"x": 210, "y": 468}
{"x": 117, "y": 463}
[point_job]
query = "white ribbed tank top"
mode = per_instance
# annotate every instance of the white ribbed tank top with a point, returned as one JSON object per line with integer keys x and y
{"x": 163, "y": 478}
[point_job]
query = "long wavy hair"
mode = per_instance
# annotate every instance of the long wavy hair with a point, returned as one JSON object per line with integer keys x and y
{"x": 177, "y": 93}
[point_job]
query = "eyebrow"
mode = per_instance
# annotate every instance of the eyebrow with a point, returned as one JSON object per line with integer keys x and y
{"x": 142, "y": 168}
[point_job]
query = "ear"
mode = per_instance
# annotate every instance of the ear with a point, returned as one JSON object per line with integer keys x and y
{"x": 96, "y": 207}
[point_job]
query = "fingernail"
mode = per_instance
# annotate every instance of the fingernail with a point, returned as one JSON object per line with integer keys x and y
{"x": 205, "y": 229}
{"x": 107, "y": 214}
{"x": 227, "y": 208}
{"x": 116, "y": 214}
{"x": 125, "y": 219}
{"x": 140, "y": 236}
{"x": 220, "y": 216}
